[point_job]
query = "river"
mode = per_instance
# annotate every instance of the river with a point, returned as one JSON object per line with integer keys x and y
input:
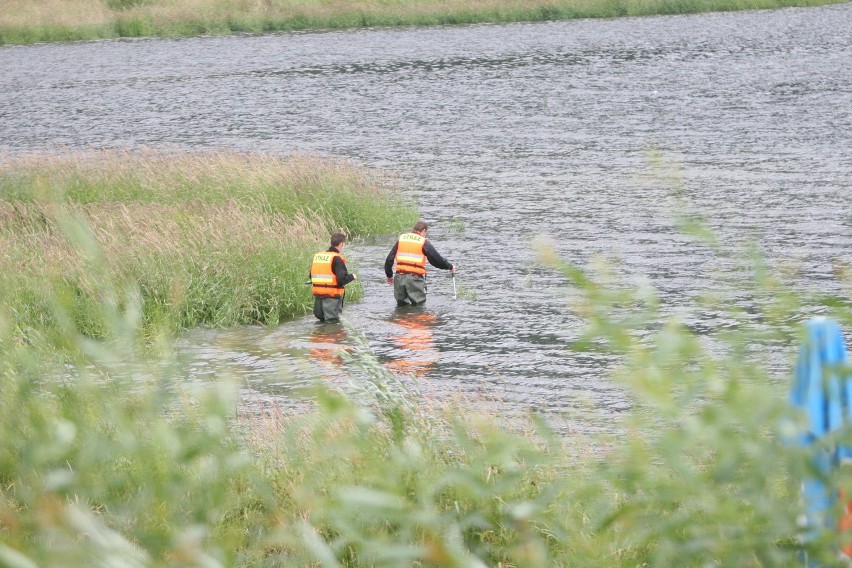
{"x": 505, "y": 134}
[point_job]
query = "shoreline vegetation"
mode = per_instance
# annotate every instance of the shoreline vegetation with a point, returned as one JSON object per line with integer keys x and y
{"x": 216, "y": 238}
{"x": 27, "y": 22}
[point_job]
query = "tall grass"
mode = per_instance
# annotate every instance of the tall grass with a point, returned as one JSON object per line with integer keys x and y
{"x": 23, "y": 21}
{"x": 117, "y": 460}
{"x": 209, "y": 239}
{"x": 331, "y": 190}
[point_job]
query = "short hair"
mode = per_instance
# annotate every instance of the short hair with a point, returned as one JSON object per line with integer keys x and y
{"x": 420, "y": 226}
{"x": 337, "y": 238}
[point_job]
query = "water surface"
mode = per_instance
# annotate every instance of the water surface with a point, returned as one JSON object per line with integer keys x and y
{"x": 503, "y": 133}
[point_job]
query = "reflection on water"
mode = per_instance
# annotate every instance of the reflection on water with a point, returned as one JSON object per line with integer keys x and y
{"x": 328, "y": 341}
{"x": 414, "y": 352}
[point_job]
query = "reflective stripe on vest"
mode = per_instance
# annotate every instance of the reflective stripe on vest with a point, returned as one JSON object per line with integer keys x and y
{"x": 323, "y": 279}
{"x": 409, "y": 254}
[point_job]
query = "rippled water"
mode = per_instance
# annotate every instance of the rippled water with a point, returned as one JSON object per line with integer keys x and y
{"x": 503, "y": 132}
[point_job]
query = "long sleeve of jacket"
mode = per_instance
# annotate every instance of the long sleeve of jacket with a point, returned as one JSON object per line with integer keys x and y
{"x": 390, "y": 260}
{"x": 339, "y": 269}
{"x": 434, "y": 258}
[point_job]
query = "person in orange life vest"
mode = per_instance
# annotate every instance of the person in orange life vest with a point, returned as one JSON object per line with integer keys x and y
{"x": 410, "y": 254}
{"x": 328, "y": 277}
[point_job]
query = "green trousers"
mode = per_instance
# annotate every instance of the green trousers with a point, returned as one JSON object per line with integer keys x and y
{"x": 409, "y": 289}
{"x": 328, "y": 309}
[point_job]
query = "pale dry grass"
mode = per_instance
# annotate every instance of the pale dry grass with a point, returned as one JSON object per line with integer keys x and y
{"x": 125, "y": 233}
{"x": 38, "y": 13}
{"x": 82, "y": 13}
{"x": 160, "y": 173}
{"x": 59, "y": 20}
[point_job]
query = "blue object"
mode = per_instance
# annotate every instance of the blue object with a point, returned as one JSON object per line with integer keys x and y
{"x": 824, "y": 392}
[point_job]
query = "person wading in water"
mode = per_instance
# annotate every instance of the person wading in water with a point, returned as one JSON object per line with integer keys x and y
{"x": 328, "y": 277}
{"x": 410, "y": 253}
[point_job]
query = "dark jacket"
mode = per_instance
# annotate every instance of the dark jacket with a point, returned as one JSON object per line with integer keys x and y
{"x": 432, "y": 255}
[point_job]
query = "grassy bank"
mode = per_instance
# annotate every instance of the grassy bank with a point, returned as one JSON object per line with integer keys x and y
{"x": 203, "y": 239}
{"x": 125, "y": 463}
{"x": 24, "y": 21}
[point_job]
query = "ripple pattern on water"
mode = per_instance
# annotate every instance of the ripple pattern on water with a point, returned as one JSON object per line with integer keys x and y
{"x": 512, "y": 132}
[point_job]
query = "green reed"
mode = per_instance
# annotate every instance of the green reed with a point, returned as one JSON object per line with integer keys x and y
{"x": 66, "y": 20}
{"x": 209, "y": 239}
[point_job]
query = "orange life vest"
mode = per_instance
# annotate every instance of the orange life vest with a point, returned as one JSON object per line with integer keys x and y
{"x": 409, "y": 254}
{"x": 323, "y": 279}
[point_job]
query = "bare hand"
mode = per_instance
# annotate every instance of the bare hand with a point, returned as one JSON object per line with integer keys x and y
{"x": 390, "y": 280}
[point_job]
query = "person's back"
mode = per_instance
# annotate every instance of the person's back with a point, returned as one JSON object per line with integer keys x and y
{"x": 410, "y": 254}
{"x": 328, "y": 276}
